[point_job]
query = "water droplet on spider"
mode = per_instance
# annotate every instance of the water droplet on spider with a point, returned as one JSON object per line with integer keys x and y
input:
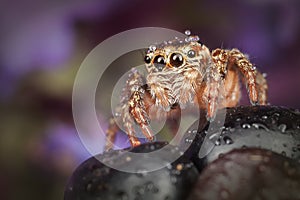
{"x": 264, "y": 117}
{"x": 238, "y": 119}
{"x": 282, "y": 128}
{"x": 187, "y": 32}
{"x": 152, "y": 47}
{"x": 187, "y": 39}
{"x": 194, "y": 38}
{"x": 228, "y": 140}
{"x": 265, "y": 75}
{"x": 246, "y": 126}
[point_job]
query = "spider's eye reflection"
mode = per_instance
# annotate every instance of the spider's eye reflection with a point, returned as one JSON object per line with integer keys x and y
{"x": 176, "y": 60}
{"x": 159, "y": 62}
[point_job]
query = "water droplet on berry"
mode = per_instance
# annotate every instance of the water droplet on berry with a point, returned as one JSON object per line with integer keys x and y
{"x": 228, "y": 140}
{"x": 246, "y": 126}
{"x": 188, "y": 140}
{"x": 218, "y": 142}
{"x": 282, "y": 128}
{"x": 260, "y": 126}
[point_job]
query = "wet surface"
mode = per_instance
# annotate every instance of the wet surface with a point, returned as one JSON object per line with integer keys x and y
{"x": 255, "y": 149}
{"x": 272, "y": 128}
{"x": 249, "y": 174}
{"x": 92, "y": 180}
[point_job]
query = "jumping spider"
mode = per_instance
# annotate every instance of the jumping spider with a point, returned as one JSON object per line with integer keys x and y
{"x": 184, "y": 73}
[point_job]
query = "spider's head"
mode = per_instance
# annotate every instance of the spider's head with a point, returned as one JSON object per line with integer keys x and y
{"x": 175, "y": 55}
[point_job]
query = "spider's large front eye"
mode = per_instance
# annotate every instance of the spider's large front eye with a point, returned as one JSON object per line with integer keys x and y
{"x": 159, "y": 62}
{"x": 176, "y": 60}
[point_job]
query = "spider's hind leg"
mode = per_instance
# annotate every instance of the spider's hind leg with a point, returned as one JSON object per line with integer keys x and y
{"x": 262, "y": 88}
{"x": 111, "y": 132}
{"x": 255, "y": 82}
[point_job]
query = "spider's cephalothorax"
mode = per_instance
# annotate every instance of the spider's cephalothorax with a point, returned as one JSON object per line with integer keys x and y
{"x": 184, "y": 73}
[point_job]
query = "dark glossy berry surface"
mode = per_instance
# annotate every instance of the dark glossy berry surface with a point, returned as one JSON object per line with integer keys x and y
{"x": 94, "y": 181}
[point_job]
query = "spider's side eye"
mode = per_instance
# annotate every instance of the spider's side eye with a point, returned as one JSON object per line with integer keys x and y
{"x": 176, "y": 60}
{"x": 147, "y": 59}
{"x": 191, "y": 54}
{"x": 159, "y": 62}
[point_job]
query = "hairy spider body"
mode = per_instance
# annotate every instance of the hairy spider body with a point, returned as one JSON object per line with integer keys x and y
{"x": 185, "y": 74}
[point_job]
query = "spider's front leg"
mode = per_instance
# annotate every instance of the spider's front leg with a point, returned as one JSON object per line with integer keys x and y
{"x": 214, "y": 85}
{"x": 131, "y": 110}
{"x": 137, "y": 110}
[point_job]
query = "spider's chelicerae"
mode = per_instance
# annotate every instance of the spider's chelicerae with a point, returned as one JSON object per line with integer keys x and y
{"x": 184, "y": 73}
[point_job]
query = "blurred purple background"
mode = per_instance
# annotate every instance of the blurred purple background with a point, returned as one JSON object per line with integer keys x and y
{"x": 44, "y": 42}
